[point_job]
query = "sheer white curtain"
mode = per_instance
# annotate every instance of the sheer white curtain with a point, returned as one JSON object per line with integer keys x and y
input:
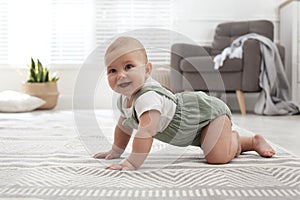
{"x": 64, "y": 32}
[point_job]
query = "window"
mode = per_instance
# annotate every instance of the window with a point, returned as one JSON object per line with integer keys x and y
{"x": 66, "y": 31}
{"x": 3, "y": 32}
{"x": 149, "y": 17}
{"x": 72, "y": 31}
{"x": 28, "y": 31}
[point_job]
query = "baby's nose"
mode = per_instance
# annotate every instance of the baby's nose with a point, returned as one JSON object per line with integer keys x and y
{"x": 121, "y": 75}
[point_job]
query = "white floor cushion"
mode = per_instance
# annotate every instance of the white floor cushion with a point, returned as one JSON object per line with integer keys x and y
{"x": 12, "y": 101}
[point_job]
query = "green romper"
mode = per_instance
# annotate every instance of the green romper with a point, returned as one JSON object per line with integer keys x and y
{"x": 194, "y": 110}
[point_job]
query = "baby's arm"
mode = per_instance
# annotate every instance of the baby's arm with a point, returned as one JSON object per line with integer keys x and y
{"x": 142, "y": 142}
{"x": 121, "y": 138}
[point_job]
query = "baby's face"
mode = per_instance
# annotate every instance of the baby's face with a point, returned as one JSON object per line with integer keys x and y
{"x": 128, "y": 73}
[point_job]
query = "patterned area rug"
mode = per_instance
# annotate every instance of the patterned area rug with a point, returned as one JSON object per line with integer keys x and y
{"x": 44, "y": 155}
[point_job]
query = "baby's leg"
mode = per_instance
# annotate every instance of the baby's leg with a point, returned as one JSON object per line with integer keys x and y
{"x": 257, "y": 143}
{"x": 219, "y": 143}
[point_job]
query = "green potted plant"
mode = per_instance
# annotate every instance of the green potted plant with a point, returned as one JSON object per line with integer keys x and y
{"x": 41, "y": 84}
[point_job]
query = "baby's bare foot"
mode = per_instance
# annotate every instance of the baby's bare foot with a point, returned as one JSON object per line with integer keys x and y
{"x": 261, "y": 146}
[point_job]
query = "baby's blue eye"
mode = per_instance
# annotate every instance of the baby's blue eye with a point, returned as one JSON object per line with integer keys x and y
{"x": 112, "y": 71}
{"x": 128, "y": 66}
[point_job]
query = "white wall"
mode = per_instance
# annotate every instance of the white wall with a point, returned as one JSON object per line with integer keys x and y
{"x": 196, "y": 19}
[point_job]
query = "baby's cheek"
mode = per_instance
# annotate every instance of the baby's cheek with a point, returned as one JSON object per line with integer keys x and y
{"x": 111, "y": 84}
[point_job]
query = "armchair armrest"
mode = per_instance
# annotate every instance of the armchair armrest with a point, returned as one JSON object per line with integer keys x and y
{"x": 207, "y": 49}
{"x": 190, "y": 50}
{"x": 180, "y": 51}
{"x": 251, "y": 65}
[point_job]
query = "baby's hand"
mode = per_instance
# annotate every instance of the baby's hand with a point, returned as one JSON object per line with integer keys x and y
{"x": 108, "y": 155}
{"x": 123, "y": 165}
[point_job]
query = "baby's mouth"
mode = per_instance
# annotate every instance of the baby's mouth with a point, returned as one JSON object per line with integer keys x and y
{"x": 123, "y": 85}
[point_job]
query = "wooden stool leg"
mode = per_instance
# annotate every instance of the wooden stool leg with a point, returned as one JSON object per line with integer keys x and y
{"x": 241, "y": 100}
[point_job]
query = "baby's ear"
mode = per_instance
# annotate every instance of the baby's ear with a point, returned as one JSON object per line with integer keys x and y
{"x": 148, "y": 68}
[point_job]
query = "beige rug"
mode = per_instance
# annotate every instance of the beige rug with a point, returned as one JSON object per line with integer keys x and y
{"x": 45, "y": 155}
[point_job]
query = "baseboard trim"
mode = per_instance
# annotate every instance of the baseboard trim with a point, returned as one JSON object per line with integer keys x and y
{"x": 66, "y": 102}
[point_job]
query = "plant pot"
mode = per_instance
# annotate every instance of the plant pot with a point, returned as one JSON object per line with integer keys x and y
{"x": 47, "y": 91}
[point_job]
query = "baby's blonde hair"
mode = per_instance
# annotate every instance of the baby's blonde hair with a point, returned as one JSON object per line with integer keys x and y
{"x": 121, "y": 46}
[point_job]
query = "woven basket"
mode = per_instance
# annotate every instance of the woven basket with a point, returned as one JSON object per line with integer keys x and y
{"x": 46, "y": 91}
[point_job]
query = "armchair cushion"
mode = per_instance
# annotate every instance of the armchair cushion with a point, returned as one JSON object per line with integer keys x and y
{"x": 206, "y": 64}
{"x": 197, "y": 63}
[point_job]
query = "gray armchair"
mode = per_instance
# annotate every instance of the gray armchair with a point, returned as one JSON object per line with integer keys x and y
{"x": 193, "y": 67}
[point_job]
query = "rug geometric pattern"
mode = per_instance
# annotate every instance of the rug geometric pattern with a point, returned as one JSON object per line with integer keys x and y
{"x": 42, "y": 157}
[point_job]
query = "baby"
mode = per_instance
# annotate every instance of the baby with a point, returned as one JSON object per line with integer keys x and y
{"x": 182, "y": 119}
